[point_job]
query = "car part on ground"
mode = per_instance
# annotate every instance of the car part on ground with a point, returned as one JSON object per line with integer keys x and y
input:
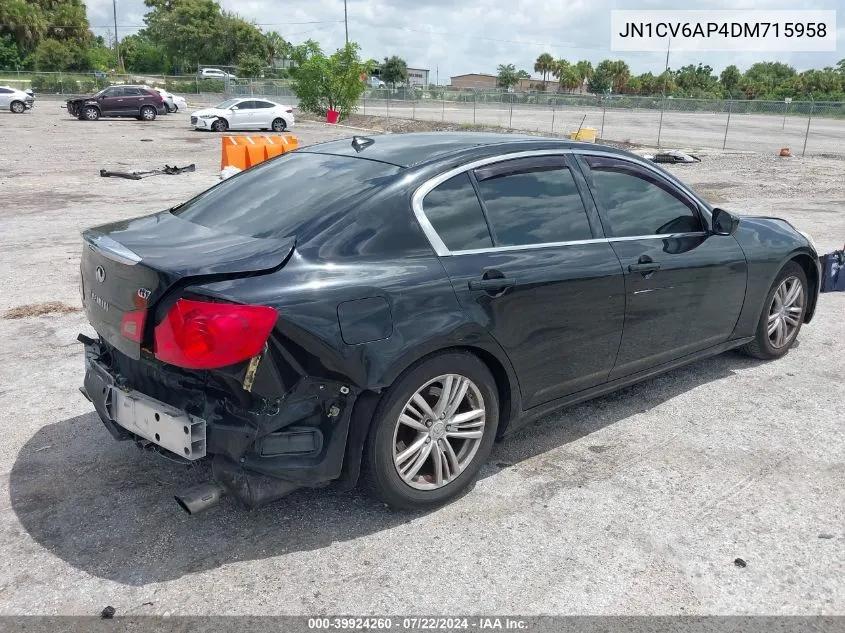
{"x": 412, "y": 303}
{"x": 674, "y": 156}
{"x": 167, "y": 170}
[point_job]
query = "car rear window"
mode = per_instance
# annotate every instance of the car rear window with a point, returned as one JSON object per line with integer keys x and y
{"x": 287, "y": 196}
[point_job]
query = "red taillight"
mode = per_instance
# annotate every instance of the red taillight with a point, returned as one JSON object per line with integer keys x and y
{"x": 289, "y": 110}
{"x": 204, "y": 335}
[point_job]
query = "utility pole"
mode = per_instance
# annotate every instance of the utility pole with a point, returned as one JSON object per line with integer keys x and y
{"x": 116, "y": 45}
{"x": 663, "y": 98}
{"x": 437, "y": 74}
{"x": 345, "y": 21}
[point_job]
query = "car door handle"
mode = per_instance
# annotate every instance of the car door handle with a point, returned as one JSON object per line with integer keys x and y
{"x": 496, "y": 283}
{"x": 648, "y": 267}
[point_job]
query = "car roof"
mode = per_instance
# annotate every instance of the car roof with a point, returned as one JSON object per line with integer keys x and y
{"x": 408, "y": 150}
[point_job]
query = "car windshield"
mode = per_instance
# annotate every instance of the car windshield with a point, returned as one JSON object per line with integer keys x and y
{"x": 225, "y": 105}
{"x": 293, "y": 195}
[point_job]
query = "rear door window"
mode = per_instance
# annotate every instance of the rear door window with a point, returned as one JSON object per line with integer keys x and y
{"x": 454, "y": 211}
{"x": 532, "y": 201}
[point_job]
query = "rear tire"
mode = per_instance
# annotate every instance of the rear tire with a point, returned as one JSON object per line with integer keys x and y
{"x": 148, "y": 113}
{"x": 782, "y": 315}
{"x": 279, "y": 125}
{"x": 438, "y": 443}
{"x": 17, "y": 107}
{"x": 220, "y": 125}
{"x": 91, "y": 113}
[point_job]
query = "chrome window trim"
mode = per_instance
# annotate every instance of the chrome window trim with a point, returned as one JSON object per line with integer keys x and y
{"x": 598, "y": 240}
{"x": 443, "y": 251}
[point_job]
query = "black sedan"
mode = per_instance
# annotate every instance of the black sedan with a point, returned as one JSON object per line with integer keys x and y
{"x": 394, "y": 304}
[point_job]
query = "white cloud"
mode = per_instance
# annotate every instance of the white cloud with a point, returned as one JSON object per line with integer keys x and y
{"x": 461, "y": 36}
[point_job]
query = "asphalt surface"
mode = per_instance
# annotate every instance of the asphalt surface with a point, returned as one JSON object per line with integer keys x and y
{"x": 635, "y": 503}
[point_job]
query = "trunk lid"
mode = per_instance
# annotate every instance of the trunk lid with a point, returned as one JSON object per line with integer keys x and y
{"x": 127, "y": 267}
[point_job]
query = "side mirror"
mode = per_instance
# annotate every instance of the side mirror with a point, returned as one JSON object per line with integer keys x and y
{"x": 724, "y": 223}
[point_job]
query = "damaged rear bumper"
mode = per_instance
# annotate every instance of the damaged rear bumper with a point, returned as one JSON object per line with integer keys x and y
{"x": 260, "y": 448}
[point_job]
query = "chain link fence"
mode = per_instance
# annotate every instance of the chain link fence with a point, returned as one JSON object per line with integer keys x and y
{"x": 806, "y": 127}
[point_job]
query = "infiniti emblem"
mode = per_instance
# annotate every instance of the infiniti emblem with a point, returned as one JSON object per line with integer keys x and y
{"x": 100, "y": 273}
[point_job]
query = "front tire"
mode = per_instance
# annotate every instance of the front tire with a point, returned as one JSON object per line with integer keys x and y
{"x": 279, "y": 125}
{"x": 432, "y": 431}
{"x": 148, "y": 113}
{"x": 91, "y": 113}
{"x": 17, "y": 107}
{"x": 782, "y": 316}
{"x": 220, "y": 125}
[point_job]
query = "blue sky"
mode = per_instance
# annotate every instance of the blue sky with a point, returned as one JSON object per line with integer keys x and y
{"x": 463, "y": 36}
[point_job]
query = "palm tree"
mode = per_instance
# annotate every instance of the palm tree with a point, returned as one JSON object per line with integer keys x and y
{"x": 621, "y": 74}
{"x": 559, "y": 71}
{"x": 277, "y": 47}
{"x": 545, "y": 64}
{"x": 585, "y": 69}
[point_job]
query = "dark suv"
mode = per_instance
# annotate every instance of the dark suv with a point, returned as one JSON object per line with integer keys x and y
{"x": 136, "y": 101}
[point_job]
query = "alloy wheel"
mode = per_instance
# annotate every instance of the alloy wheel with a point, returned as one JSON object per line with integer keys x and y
{"x": 785, "y": 312}
{"x": 439, "y": 432}
{"x": 18, "y": 107}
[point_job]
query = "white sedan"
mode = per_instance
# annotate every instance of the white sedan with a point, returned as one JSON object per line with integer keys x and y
{"x": 15, "y": 100}
{"x": 173, "y": 102}
{"x": 244, "y": 114}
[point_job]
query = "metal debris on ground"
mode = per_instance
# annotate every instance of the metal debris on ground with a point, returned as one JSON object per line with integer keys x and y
{"x": 107, "y": 613}
{"x": 675, "y": 156}
{"x": 739, "y": 562}
{"x": 138, "y": 175}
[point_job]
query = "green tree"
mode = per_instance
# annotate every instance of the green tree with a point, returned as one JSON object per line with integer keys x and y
{"x": 99, "y": 56}
{"x": 507, "y": 75}
{"x": 560, "y": 68}
{"x": 277, "y": 48}
{"x": 140, "y": 55}
{"x": 394, "y": 71}
{"x": 600, "y": 81}
{"x": 327, "y": 83}
{"x": 10, "y": 57}
{"x": 545, "y": 64}
{"x": 52, "y": 55}
{"x": 585, "y": 69}
{"x": 250, "y": 65}
{"x": 729, "y": 79}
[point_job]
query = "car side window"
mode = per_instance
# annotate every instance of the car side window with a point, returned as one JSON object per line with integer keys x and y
{"x": 5, "y": 91}
{"x": 246, "y": 105}
{"x": 455, "y": 213}
{"x": 263, "y": 104}
{"x": 111, "y": 92}
{"x": 533, "y": 201}
{"x": 132, "y": 92}
{"x": 638, "y": 203}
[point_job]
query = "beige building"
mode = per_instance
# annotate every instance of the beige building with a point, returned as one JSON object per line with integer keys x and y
{"x": 476, "y": 81}
{"x": 483, "y": 81}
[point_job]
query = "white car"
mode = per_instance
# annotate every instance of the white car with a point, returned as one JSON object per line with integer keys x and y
{"x": 214, "y": 73}
{"x": 16, "y": 100}
{"x": 173, "y": 102}
{"x": 244, "y": 114}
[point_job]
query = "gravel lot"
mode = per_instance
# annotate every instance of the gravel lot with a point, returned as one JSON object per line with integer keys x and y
{"x": 635, "y": 503}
